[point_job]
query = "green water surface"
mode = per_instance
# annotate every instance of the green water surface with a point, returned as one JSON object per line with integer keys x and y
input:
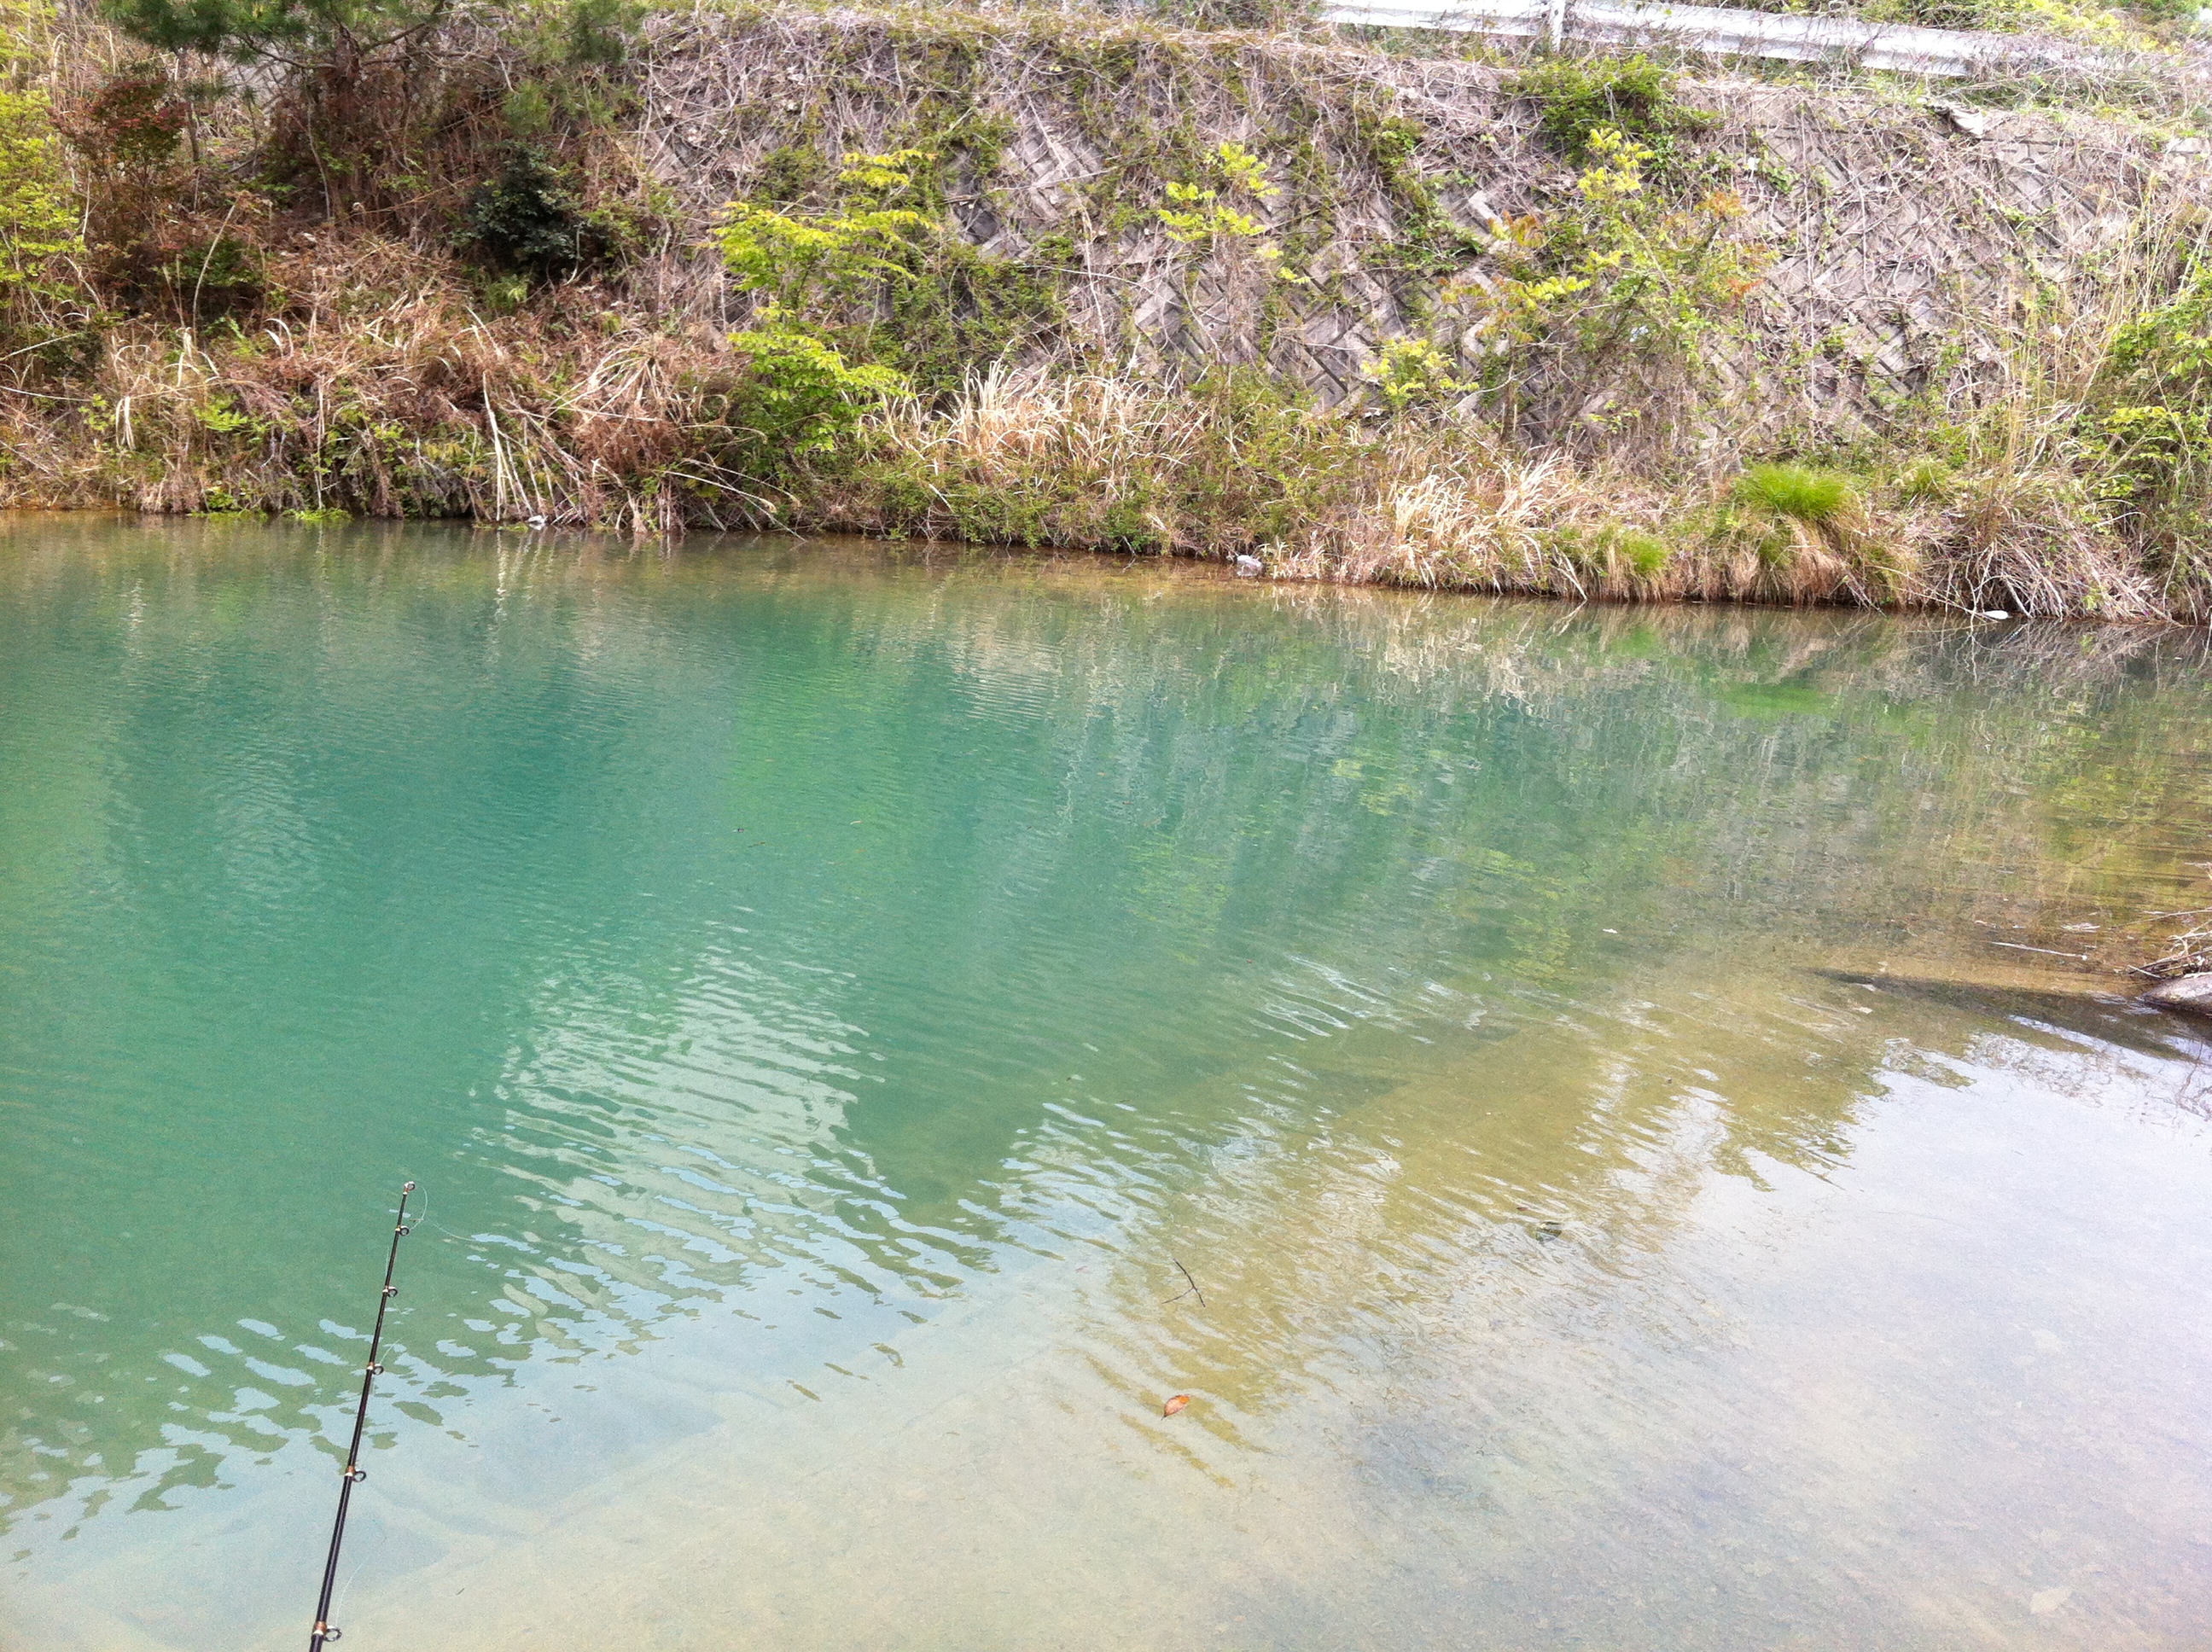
{"x": 1620, "y": 1119}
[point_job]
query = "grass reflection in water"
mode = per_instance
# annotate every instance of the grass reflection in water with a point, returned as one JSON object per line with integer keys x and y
{"x": 825, "y": 989}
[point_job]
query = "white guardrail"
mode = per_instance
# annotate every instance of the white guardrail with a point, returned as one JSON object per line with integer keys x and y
{"x": 1713, "y": 29}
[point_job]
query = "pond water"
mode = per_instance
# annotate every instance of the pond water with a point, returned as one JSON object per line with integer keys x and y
{"x": 1618, "y": 1119}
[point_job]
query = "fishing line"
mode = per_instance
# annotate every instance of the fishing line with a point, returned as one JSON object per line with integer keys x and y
{"x": 353, "y": 1473}
{"x": 345, "y": 1589}
{"x": 422, "y": 1220}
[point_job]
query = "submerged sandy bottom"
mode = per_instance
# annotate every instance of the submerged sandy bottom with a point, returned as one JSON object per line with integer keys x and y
{"x": 1948, "y": 1393}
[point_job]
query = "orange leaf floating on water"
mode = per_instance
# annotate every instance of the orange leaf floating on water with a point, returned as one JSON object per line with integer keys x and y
{"x": 1176, "y": 1403}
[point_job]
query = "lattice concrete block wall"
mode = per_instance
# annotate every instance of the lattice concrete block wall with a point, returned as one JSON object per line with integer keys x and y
{"x": 1907, "y": 248}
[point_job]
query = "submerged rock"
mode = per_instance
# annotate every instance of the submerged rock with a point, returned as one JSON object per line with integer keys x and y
{"x": 2191, "y": 993}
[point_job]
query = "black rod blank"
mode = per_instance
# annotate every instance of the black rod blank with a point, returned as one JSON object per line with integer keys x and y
{"x": 324, "y": 1629}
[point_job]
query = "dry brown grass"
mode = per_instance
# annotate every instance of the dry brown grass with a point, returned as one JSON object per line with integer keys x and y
{"x": 1444, "y": 502}
{"x": 381, "y": 388}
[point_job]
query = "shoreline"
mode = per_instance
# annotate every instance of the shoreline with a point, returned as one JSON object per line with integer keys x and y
{"x": 1376, "y": 575}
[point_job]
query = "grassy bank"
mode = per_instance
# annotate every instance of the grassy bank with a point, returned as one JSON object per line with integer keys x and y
{"x": 1445, "y": 502}
{"x": 1554, "y": 327}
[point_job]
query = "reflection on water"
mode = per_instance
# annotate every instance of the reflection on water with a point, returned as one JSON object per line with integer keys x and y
{"x": 1632, "y": 1092}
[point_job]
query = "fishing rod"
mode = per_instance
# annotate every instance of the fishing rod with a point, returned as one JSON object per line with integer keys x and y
{"x": 353, "y": 1472}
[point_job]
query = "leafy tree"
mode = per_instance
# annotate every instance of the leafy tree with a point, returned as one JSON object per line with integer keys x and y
{"x": 330, "y": 34}
{"x": 1200, "y": 218}
{"x": 38, "y": 221}
{"x": 37, "y": 213}
{"x": 803, "y": 261}
{"x": 802, "y": 394}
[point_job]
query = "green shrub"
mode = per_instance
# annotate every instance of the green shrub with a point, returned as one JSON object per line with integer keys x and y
{"x": 599, "y": 31}
{"x": 1633, "y": 96}
{"x": 805, "y": 261}
{"x": 2150, "y": 418}
{"x": 502, "y": 294}
{"x": 1127, "y": 525}
{"x": 527, "y": 221}
{"x": 220, "y": 276}
{"x": 879, "y": 274}
{"x": 959, "y": 309}
{"x": 799, "y": 396}
{"x": 1619, "y": 276}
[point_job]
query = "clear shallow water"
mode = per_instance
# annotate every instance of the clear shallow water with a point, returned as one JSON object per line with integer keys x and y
{"x": 1643, "y": 1192}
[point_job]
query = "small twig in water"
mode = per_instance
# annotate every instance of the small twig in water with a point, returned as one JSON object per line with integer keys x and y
{"x": 2018, "y": 947}
{"x": 1192, "y": 1284}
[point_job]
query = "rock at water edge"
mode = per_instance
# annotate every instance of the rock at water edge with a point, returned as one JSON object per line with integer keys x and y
{"x": 2192, "y": 994}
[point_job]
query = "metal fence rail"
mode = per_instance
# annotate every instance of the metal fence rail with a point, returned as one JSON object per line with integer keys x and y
{"x": 1716, "y": 30}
